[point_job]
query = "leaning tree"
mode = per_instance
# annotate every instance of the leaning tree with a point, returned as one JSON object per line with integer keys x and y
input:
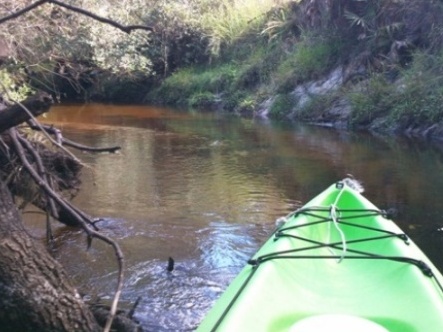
{"x": 35, "y": 291}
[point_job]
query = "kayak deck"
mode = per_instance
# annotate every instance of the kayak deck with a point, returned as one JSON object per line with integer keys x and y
{"x": 337, "y": 255}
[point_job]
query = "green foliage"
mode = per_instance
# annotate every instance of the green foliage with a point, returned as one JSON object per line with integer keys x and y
{"x": 311, "y": 58}
{"x": 416, "y": 98}
{"x": 228, "y": 20}
{"x": 316, "y": 105}
{"x": 249, "y": 77}
{"x": 233, "y": 99}
{"x": 256, "y": 65}
{"x": 282, "y": 106}
{"x": 254, "y": 61}
{"x": 236, "y": 53}
{"x": 419, "y": 96}
{"x": 253, "y": 72}
{"x": 280, "y": 23}
{"x": 178, "y": 40}
{"x": 174, "y": 90}
{"x": 117, "y": 54}
{"x": 203, "y": 100}
{"x": 372, "y": 99}
{"x": 247, "y": 106}
{"x": 12, "y": 88}
{"x": 182, "y": 85}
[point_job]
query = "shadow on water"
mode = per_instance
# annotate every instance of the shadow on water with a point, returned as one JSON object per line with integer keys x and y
{"x": 206, "y": 189}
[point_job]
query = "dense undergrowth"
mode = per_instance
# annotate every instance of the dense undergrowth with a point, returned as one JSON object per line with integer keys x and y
{"x": 389, "y": 51}
{"x": 244, "y": 56}
{"x": 414, "y": 100}
{"x": 390, "y": 54}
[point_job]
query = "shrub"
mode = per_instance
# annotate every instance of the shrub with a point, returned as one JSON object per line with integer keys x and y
{"x": 370, "y": 100}
{"x": 13, "y": 86}
{"x": 203, "y": 100}
{"x": 317, "y": 105}
{"x": 419, "y": 97}
{"x": 247, "y": 106}
{"x": 282, "y": 106}
{"x": 310, "y": 59}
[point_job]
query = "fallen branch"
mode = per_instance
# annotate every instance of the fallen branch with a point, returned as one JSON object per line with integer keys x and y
{"x": 50, "y": 205}
{"x": 86, "y": 226}
{"x": 65, "y": 141}
{"x": 69, "y": 215}
{"x": 82, "y": 147}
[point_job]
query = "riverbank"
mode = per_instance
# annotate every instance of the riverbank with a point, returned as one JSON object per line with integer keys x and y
{"x": 366, "y": 65}
{"x": 342, "y": 68}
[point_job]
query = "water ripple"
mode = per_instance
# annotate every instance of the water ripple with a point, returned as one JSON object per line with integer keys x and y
{"x": 177, "y": 300}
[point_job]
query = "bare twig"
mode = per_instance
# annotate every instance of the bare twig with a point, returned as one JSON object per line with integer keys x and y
{"x": 22, "y": 11}
{"x": 46, "y": 134}
{"x": 51, "y": 209}
{"x": 124, "y": 28}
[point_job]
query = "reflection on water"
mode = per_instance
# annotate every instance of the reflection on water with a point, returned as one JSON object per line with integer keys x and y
{"x": 206, "y": 189}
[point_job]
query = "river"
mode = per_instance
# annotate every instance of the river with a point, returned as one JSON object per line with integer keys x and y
{"x": 206, "y": 189}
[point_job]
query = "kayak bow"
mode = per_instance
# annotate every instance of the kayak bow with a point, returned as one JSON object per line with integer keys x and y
{"x": 338, "y": 263}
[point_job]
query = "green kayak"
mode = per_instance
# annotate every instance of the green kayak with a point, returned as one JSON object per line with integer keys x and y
{"x": 336, "y": 264}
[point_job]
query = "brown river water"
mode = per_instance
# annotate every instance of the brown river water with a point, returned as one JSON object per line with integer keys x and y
{"x": 206, "y": 189}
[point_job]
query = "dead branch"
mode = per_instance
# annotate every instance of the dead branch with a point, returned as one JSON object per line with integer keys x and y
{"x": 62, "y": 171}
{"x": 51, "y": 130}
{"x": 22, "y": 11}
{"x": 50, "y": 205}
{"x": 124, "y": 28}
{"x": 15, "y": 114}
{"x": 82, "y": 147}
{"x": 86, "y": 226}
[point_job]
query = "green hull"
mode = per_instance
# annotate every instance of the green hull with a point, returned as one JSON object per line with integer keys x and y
{"x": 338, "y": 255}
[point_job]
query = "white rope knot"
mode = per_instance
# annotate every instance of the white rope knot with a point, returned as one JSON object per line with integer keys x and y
{"x": 335, "y": 220}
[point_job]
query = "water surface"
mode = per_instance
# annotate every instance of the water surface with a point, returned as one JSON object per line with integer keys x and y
{"x": 206, "y": 190}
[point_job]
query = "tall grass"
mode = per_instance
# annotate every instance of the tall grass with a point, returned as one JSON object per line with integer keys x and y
{"x": 189, "y": 85}
{"x": 227, "y": 20}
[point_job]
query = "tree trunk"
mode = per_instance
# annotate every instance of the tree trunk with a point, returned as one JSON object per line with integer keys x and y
{"x": 35, "y": 294}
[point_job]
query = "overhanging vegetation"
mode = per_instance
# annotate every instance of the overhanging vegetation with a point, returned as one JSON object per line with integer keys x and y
{"x": 240, "y": 56}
